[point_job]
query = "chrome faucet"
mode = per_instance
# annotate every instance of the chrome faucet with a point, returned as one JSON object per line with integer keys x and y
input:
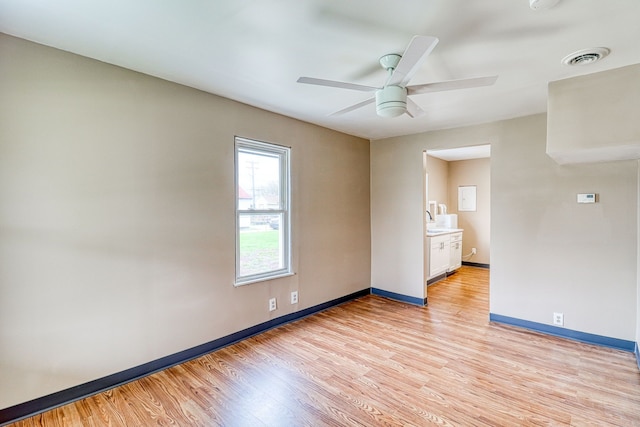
{"x": 430, "y": 217}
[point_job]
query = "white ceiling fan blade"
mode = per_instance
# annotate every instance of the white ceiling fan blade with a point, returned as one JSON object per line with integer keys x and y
{"x": 412, "y": 58}
{"x": 451, "y": 85}
{"x": 413, "y": 110}
{"x": 333, "y": 83}
{"x": 353, "y": 107}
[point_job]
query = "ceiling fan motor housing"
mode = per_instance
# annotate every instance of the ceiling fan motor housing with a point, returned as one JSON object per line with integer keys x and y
{"x": 391, "y": 101}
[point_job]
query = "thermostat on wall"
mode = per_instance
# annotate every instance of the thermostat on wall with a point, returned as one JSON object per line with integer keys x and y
{"x": 587, "y": 198}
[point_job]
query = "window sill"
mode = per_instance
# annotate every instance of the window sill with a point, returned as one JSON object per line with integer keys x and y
{"x": 262, "y": 279}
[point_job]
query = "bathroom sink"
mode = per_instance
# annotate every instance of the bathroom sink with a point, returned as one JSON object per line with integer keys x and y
{"x": 437, "y": 230}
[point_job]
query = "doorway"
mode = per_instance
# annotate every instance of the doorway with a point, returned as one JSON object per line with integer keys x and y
{"x": 449, "y": 174}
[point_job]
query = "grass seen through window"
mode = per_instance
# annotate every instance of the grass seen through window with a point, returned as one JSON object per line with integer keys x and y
{"x": 259, "y": 251}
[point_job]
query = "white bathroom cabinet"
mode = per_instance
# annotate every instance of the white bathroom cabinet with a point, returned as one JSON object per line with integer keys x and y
{"x": 455, "y": 243}
{"x": 445, "y": 252}
{"x": 439, "y": 254}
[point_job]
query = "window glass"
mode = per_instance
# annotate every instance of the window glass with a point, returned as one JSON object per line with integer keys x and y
{"x": 262, "y": 211}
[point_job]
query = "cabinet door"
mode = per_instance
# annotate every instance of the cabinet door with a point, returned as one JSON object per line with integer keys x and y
{"x": 456, "y": 255}
{"x": 439, "y": 255}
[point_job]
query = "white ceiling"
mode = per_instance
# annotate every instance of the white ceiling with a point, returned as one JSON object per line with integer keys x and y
{"x": 253, "y": 51}
{"x": 462, "y": 153}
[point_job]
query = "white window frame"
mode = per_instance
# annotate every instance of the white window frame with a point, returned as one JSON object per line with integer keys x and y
{"x": 284, "y": 156}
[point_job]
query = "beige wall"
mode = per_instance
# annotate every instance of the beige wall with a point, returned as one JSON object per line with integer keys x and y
{"x": 594, "y": 118}
{"x": 397, "y": 219}
{"x": 476, "y": 225}
{"x": 562, "y": 256}
{"x": 581, "y": 110}
{"x": 548, "y": 253}
{"x": 438, "y": 171}
{"x": 444, "y": 179}
{"x": 117, "y": 219}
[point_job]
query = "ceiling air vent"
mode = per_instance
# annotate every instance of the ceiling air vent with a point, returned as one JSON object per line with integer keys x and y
{"x": 586, "y": 56}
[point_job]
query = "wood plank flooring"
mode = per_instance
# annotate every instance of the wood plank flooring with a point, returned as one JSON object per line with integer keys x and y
{"x": 374, "y": 362}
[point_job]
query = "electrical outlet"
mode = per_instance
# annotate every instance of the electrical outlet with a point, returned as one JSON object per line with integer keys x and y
{"x": 272, "y": 304}
{"x": 558, "y": 319}
{"x": 473, "y": 251}
{"x": 294, "y": 297}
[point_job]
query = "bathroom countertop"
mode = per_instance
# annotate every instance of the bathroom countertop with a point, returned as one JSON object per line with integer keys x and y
{"x": 441, "y": 231}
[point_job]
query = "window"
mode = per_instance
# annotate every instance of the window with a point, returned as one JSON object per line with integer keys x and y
{"x": 263, "y": 238}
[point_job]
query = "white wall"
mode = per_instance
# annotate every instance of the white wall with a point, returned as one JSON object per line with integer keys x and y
{"x": 117, "y": 241}
{"x": 547, "y": 252}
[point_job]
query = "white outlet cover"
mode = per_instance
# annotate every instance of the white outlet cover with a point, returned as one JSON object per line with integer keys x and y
{"x": 558, "y": 319}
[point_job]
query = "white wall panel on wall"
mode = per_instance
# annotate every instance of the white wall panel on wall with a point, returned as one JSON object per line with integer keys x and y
{"x": 467, "y": 198}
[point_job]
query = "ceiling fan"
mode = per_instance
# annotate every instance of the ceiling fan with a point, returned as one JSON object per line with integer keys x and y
{"x": 392, "y": 98}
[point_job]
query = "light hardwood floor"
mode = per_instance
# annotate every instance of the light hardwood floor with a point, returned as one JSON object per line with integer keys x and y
{"x": 374, "y": 362}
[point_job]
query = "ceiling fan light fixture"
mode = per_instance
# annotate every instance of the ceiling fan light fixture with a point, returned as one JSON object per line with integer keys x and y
{"x": 391, "y": 101}
{"x": 542, "y": 4}
{"x": 390, "y": 61}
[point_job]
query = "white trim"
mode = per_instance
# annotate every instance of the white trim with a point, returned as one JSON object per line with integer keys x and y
{"x": 284, "y": 156}
{"x": 262, "y": 279}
